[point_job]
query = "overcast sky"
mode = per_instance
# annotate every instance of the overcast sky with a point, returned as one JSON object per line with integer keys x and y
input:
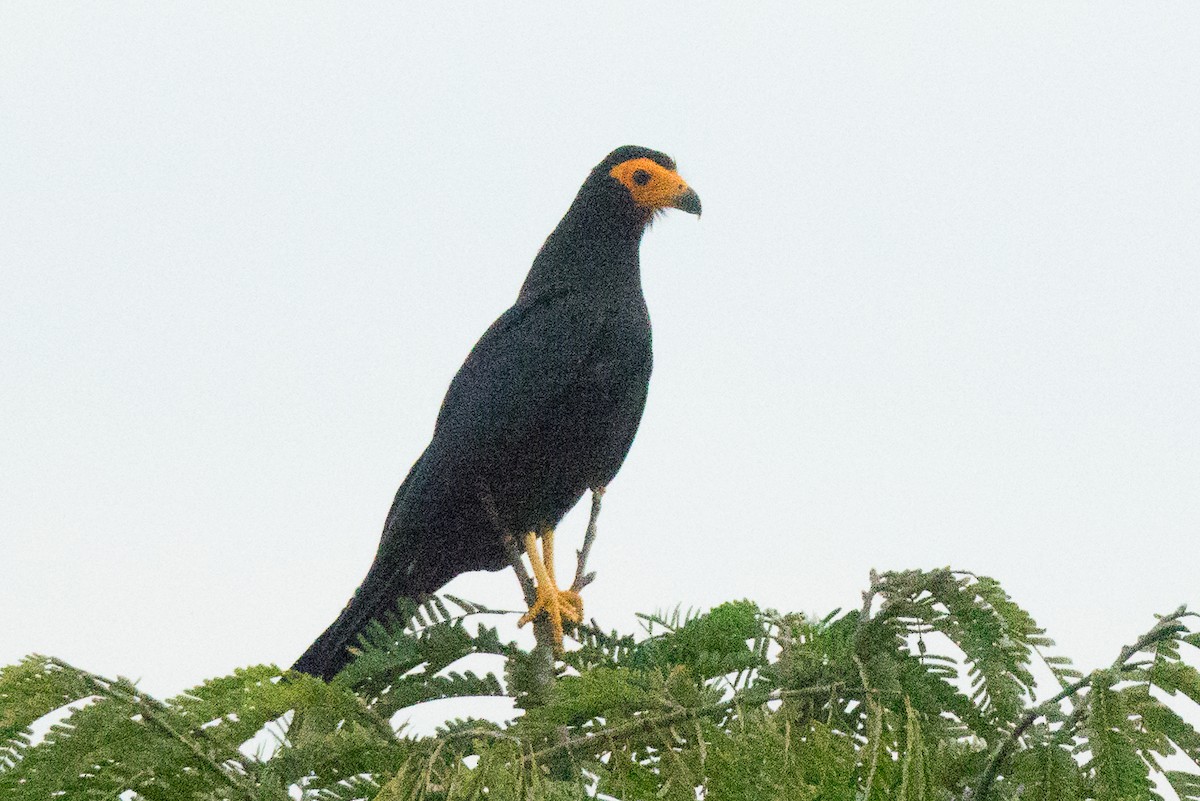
{"x": 941, "y": 307}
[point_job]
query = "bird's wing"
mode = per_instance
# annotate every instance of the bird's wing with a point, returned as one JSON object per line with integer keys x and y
{"x": 523, "y": 363}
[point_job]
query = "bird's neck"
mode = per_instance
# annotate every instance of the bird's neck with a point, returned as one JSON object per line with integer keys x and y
{"x": 593, "y": 248}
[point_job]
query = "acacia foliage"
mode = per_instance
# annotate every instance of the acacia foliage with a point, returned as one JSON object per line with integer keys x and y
{"x": 925, "y": 692}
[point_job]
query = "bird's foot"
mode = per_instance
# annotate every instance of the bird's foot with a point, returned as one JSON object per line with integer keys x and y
{"x": 558, "y": 605}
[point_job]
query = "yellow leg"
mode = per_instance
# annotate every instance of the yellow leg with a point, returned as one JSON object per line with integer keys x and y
{"x": 548, "y": 554}
{"x": 557, "y": 604}
{"x": 573, "y": 600}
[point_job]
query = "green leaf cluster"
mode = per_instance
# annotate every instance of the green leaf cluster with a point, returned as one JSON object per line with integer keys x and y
{"x": 926, "y": 692}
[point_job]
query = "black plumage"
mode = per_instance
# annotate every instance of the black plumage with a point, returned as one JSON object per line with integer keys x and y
{"x": 545, "y": 406}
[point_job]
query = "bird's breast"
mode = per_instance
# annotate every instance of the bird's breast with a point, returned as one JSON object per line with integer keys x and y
{"x": 620, "y": 355}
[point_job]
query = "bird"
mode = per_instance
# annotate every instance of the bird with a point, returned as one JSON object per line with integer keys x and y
{"x": 544, "y": 408}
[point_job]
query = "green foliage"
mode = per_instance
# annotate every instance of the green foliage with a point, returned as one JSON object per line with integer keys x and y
{"x": 924, "y": 693}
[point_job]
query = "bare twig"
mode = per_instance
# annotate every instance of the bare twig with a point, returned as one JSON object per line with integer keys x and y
{"x": 528, "y": 588}
{"x": 582, "y": 577}
{"x": 511, "y": 549}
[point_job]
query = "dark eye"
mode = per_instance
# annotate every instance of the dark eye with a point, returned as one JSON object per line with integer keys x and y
{"x": 641, "y": 177}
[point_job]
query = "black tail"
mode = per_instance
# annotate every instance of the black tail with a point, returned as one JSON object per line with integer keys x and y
{"x": 379, "y": 594}
{"x": 406, "y": 566}
{"x": 431, "y": 536}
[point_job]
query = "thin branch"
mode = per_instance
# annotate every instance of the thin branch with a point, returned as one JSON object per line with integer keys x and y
{"x": 869, "y": 595}
{"x": 648, "y": 723}
{"x": 582, "y": 577}
{"x": 511, "y": 549}
{"x": 542, "y": 633}
{"x": 1163, "y": 629}
{"x": 528, "y": 588}
{"x": 874, "y": 710}
{"x": 152, "y": 711}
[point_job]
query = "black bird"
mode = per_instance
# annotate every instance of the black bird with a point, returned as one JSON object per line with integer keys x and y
{"x": 544, "y": 407}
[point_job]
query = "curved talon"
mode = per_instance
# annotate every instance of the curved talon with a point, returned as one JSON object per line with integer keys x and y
{"x": 556, "y": 604}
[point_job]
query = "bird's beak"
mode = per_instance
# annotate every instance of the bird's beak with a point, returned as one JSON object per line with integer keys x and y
{"x": 687, "y": 200}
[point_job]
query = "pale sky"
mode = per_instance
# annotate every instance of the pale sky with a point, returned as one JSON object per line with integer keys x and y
{"x": 941, "y": 307}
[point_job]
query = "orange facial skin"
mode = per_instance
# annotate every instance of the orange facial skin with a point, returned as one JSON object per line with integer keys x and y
{"x": 655, "y": 187}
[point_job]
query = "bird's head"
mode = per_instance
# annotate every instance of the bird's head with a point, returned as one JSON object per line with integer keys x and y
{"x": 598, "y": 238}
{"x": 641, "y": 183}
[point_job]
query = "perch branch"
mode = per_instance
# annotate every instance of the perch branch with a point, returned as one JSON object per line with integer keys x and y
{"x": 582, "y": 577}
{"x": 542, "y": 633}
{"x": 511, "y": 549}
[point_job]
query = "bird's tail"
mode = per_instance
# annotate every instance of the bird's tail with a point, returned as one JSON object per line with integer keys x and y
{"x": 404, "y": 567}
{"x": 379, "y": 594}
{"x": 430, "y": 536}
